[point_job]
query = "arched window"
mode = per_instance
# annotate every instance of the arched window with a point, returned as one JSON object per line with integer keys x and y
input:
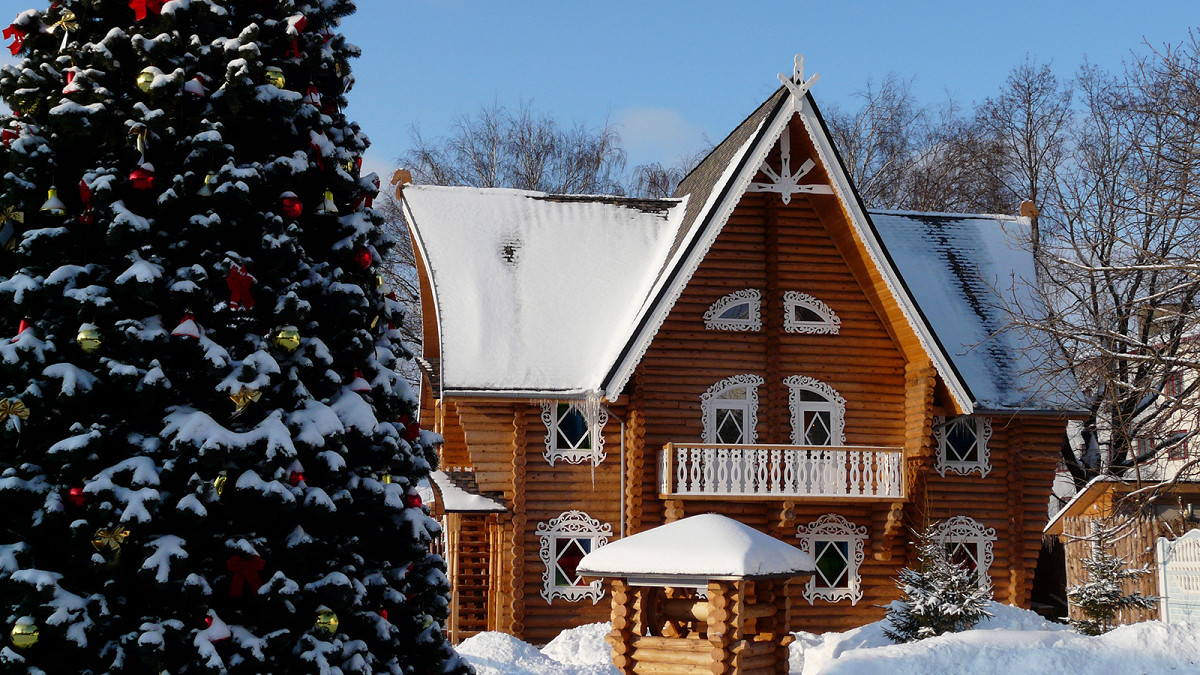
{"x": 962, "y": 444}
{"x": 969, "y": 544}
{"x": 802, "y": 313}
{"x": 836, "y": 547}
{"x": 818, "y": 412}
{"x": 564, "y": 542}
{"x": 730, "y": 409}
{"x": 740, "y": 310}
{"x": 569, "y": 435}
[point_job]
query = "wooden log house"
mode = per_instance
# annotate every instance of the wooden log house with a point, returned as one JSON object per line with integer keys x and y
{"x": 760, "y": 346}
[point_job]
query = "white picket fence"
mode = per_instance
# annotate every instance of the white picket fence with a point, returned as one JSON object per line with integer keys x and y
{"x": 777, "y": 471}
{"x": 1179, "y": 578}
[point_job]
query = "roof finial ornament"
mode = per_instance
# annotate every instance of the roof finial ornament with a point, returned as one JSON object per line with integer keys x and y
{"x": 797, "y": 84}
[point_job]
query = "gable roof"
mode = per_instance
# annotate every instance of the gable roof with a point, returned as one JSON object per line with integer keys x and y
{"x": 519, "y": 333}
{"x": 535, "y": 293}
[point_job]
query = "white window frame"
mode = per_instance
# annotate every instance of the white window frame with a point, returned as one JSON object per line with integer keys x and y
{"x": 981, "y": 427}
{"x": 747, "y": 296}
{"x": 570, "y": 525}
{"x": 834, "y": 528}
{"x": 834, "y": 404}
{"x": 965, "y": 530}
{"x": 830, "y": 324}
{"x": 573, "y": 454}
{"x": 710, "y": 403}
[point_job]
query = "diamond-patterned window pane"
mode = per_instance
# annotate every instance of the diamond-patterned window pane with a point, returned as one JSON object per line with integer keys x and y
{"x": 738, "y": 312}
{"x": 816, "y": 428}
{"x": 729, "y": 426}
{"x": 568, "y": 553}
{"x": 961, "y": 441}
{"x": 833, "y": 563}
{"x": 965, "y": 554}
{"x": 572, "y": 429}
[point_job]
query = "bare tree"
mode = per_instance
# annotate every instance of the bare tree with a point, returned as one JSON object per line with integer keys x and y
{"x": 655, "y": 180}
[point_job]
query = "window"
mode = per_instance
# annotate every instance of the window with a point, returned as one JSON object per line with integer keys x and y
{"x": 803, "y": 313}
{"x": 969, "y": 544}
{"x": 818, "y": 412}
{"x": 740, "y": 310}
{"x": 569, "y": 435}
{"x": 730, "y": 410}
{"x": 836, "y": 547}
{"x": 1178, "y": 448}
{"x": 962, "y": 444}
{"x": 1173, "y": 386}
{"x": 564, "y": 542}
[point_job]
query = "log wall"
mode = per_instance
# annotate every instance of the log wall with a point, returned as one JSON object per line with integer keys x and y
{"x": 1133, "y": 540}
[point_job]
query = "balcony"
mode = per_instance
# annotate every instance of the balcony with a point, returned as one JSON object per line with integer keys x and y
{"x": 843, "y": 473}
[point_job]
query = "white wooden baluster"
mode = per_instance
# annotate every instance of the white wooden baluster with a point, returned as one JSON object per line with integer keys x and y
{"x": 664, "y": 479}
{"x": 854, "y": 486}
{"x": 681, "y": 470}
{"x": 697, "y": 469}
{"x": 723, "y": 480}
{"x": 790, "y": 472}
{"x": 777, "y": 458}
{"x": 843, "y": 480}
{"x": 710, "y": 471}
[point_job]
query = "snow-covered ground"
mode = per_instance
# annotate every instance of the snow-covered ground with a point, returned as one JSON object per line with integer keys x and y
{"x": 1013, "y": 641}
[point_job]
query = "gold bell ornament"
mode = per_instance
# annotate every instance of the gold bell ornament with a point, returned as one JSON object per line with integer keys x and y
{"x": 327, "y": 621}
{"x": 288, "y": 338}
{"x": 88, "y": 338}
{"x": 53, "y": 206}
{"x": 145, "y": 79}
{"x": 25, "y": 633}
{"x": 276, "y": 77}
{"x": 219, "y": 482}
{"x": 327, "y": 207}
{"x": 206, "y": 190}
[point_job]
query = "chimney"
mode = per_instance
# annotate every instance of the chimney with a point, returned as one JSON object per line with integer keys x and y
{"x": 1030, "y": 210}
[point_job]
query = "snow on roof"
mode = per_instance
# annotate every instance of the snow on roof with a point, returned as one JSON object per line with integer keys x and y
{"x": 708, "y": 546}
{"x": 536, "y": 293}
{"x": 960, "y": 269}
{"x": 454, "y": 498}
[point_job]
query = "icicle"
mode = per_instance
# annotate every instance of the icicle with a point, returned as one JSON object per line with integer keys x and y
{"x": 591, "y": 414}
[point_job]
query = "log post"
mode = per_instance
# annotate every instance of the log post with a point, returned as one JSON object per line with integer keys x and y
{"x": 623, "y": 623}
{"x": 517, "y": 546}
{"x": 721, "y": 631}
{"x": 635, "y": 472}
{"x": 1017, "y": 588}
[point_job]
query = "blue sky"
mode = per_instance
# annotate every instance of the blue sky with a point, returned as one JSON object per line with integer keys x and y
{"x": 672, "y": 73}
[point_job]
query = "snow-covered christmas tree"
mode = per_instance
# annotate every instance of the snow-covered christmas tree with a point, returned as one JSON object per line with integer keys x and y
{"x": 939, "y": 596}
{"x": 208, "y": 461}
{"x": 1103, "y": 594}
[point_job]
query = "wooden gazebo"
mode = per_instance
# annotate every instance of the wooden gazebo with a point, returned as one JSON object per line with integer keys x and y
{"x": 699, "y": 596}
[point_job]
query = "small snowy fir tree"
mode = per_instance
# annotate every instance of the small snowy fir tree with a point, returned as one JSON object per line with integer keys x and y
{"x": 940, "y": 596}
{"x": 208, "y": 459}
{"x": 1102, "y": 595}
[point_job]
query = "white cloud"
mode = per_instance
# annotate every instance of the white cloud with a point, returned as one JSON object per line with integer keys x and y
{"x": 658, "y": 135}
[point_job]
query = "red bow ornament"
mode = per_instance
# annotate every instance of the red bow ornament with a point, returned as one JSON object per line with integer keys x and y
{"x": 141, "y": 7}
{"x": 17, "y": 36}
{"x": 296, "y": 26}
{"x": 239, "y": 281}
{"x": 245, "y": 573}
{"x": 85, "y": 197}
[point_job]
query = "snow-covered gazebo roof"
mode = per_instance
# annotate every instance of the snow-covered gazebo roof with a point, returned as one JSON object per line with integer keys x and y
{"x": 696, "y": 549}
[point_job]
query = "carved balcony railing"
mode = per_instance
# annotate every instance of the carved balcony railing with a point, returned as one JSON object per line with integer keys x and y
{"x": 781, "y": 472}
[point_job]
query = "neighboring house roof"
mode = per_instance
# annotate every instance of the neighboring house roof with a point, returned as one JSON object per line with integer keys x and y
{"x": 1083, "y": 500}
{"x": 594, "y": 278}
{"x": 536, "y": 293}
{"x": 963, "y": 270}
{"x": 707, "y": 546}
{"x": 458, "y": 493}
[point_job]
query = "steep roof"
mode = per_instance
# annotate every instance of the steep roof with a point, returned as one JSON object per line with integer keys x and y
{"x": 961, "y": 270}
{"x": 707, "y": 546}
{"x": 535, "y": 293}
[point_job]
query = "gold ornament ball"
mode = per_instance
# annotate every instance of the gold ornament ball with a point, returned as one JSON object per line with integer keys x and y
{"x": 275, "y": 76}
{"x": 145, "y": 79}
{"x": 88, "y": 338}
{"x": 25, "y": 633}
{"x": 327, "y": 621}
{"x": 288, "y": 338}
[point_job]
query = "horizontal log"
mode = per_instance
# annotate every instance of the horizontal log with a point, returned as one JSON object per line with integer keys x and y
{"x": 652, "y": 668}
{"x": 699, "y": 655}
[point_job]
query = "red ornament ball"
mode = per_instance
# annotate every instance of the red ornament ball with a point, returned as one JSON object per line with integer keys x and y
{"x": 76, "y": 496}
{"x": 412, "y": 500}
{"x": 292, "y": 206}
{"x": 142, "y": 178}
{"x": 208, "y": 622}
{"x": 296, "y": 478}
{"x": 383, "y": 614}
{"x": 363, "y": 257}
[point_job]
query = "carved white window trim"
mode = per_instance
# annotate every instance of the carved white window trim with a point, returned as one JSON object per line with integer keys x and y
{"x": 747, "y": 296}
{"x": 573, "y": 455}
{"x": 981, "y": 427}
{"x": 834, "y": 528}
{"x": 835, "y": 405}
{"x": 829, "y": 325}
{"x": 710, "y": 403}
{"x": 965, "y": 530}
{"x": 570, "y": 525}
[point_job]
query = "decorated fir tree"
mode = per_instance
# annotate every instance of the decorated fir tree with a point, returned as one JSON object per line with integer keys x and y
{"x": 1103, "y": 594}
{"x": 208, "y": 461}
{"x": 939, "y": 596}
